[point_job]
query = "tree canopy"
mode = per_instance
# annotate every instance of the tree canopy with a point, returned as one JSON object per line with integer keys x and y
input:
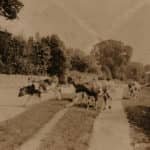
{"x": 135, "y": 71}
{"x": 10, "y": 8}
{"x": 113, "y": 54}
{"x": 57, "y": 62}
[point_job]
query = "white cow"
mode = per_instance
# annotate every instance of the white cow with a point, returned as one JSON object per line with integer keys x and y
{"x": 67, "y": 91}
{"x": 134, "y": 89}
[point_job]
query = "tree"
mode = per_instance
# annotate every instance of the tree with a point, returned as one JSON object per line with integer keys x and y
{"x": 92, "y": 66}
{"x": 106, "y": 73}
{"x": 13, "y": 52}
{"x": 78, "y": 61}
{"x": 10, "y": 8}
{"x": 113, "y": 54}
{"x": 135, "y": 71}
{"x": 57, "y": 61}
{"x": 147, "y": 67}
{"x": 56, "y": 42}
{"x": 5, "y": 39}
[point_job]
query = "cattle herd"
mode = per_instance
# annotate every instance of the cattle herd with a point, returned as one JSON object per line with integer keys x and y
{"x": 91, "y": 92}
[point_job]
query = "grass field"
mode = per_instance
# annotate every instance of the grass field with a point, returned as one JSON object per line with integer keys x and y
{"x": 17, "y": 130}
{"x": 138, "y": 113}
{"x": 72, "y": 132}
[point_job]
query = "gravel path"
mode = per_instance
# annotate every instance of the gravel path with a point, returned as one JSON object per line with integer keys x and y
{"x": 111, "y": 128}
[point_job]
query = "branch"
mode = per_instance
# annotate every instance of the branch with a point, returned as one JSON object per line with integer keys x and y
{"x": 10, "y": 8}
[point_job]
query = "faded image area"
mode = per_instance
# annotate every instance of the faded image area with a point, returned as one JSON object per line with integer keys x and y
{"x": 74, "y": 75}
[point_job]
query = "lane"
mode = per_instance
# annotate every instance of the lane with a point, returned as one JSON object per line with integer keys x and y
{"x": 36, "y": 140}
{"x": 111, "y": 128}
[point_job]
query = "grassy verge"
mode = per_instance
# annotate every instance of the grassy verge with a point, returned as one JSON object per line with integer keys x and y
{"x": 138, "y": 113}
{"x": 17, "y": 130}
{"x": 72, "y": 132}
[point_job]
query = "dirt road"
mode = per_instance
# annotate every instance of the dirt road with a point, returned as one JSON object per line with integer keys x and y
{"x": 111, "y": 128}
{"x": 35, "y": 141}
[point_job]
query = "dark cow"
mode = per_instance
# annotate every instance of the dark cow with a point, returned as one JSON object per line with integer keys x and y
{"x": 29, "y": 90}
{"x": 81, "y": 88}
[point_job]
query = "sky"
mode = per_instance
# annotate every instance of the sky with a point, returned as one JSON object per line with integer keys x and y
{"x": 82, "y": 23}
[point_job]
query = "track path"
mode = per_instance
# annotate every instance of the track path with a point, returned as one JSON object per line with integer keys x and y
{"x": 111, "y": 128}
{"x": 35, "y": 141}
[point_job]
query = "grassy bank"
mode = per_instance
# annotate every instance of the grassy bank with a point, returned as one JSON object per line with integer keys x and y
{"x": 138, "y": 113}
{"x": 17, "y": 130}
{"x": 72, "y": 132}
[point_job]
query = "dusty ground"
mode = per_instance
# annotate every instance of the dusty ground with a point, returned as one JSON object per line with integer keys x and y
{"x": 34, "y": 142}
{"x": 111, "y": 128}
{"x": 72, "y": 132}
{"x": 138, "y": 112}
{"x": 17, "y": 130}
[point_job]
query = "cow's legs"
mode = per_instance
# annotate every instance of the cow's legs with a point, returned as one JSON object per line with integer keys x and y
{"x": 87, "y": 105}
{"x": 95, "y": 103}
{"x": 105, "y": 102}
{"x": 87, "y": 102}
{"x": 110, "y": 101}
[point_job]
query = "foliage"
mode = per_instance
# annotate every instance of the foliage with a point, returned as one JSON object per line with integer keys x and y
{"x": 147, "y": 73}
{"x": 10, "y": 8}
{"x": 113, "y": 54}
{"x": 147, "y": 67}
{"x": 23, "y": 57}
{"x": 57, "y": 60}
{"x": 78, "y": 61}
{"x": 48, "y": 55}
{"x": 135, "y": 71}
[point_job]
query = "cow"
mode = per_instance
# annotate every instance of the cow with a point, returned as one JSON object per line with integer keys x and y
{"x": 134, "y": 89}
{"x": 90, "y": 89}
{"x": 106, "y": 96}
{"x": 45, "y": 84}
{"x": 29, "y": 90}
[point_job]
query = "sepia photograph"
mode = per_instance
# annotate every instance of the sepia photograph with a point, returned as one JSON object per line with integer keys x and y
{"x": 74, "y": 75}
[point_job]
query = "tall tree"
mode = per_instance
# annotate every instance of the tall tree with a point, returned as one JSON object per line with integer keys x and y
{"x": 55, "y": 41}
{"x": 113, "y": 54}
{"x": 58, "y": 60}
{"x": 78, "y": 61}
{"x": 135, "y": 71}
{"x": 147, "y": 67}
